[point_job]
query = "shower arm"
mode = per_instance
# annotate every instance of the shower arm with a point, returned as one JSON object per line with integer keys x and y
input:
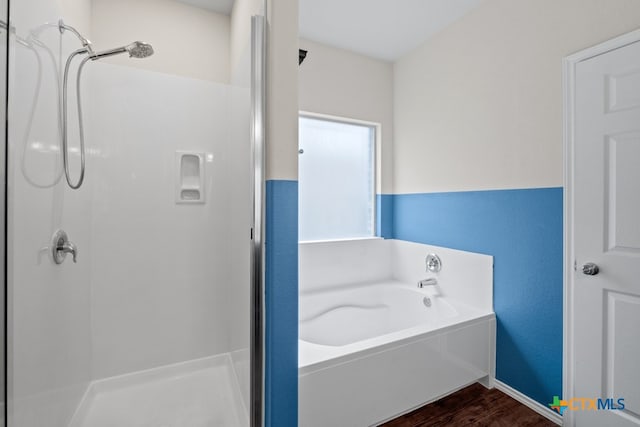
{"x": 98, "y": 55}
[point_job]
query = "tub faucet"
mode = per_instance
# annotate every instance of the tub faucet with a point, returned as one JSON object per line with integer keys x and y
{"x": 431, "y": 281}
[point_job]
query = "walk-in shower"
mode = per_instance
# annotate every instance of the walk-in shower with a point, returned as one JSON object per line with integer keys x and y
{"x": 122, "y": 332}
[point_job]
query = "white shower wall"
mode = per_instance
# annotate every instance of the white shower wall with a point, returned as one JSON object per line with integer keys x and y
{"x": 49, "y": 305}
{"x": 166, "y": 278}
{"x": 239, "y": 299}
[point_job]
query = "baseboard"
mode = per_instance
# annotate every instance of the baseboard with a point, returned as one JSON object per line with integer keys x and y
{"x": 528, "y": 402}
{"x": 487, "y": 382}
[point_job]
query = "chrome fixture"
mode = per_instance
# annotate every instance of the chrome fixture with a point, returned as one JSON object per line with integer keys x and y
{"x": 136, "y": 49}
{"x": 257, "y": 232}
{"x": 433, "y": 263}
{"x": 85, "y": 43}
{"x": 590, "y": 269}
{"x": 61, "y": 246}
{"x": 431, "y": 281}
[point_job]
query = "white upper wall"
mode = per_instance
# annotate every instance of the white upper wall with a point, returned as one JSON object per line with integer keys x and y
{"x": 219, "y": 6}
{"x": 240, "y": 37}
{"x": 282, "y": 90}
{"x": 187, "y": 40}
{"x": 77, "y": 13}
{"x": 479, "y": 106}
{"x": 341, "y": 83}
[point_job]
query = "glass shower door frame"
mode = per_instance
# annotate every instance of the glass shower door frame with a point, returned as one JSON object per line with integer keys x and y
{"x": 4, "y": 155}
{"x": 258, "y": 133}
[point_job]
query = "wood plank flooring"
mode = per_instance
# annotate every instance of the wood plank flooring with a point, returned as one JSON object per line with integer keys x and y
{"x": 473, "y": 406}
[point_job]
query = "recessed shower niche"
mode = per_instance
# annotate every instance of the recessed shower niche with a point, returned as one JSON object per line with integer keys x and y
{"x": 189, "y": 177}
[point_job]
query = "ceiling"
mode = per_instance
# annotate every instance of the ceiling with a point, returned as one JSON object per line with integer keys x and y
{"x": 218, "y": 6}
{"x": 382, "y": 29}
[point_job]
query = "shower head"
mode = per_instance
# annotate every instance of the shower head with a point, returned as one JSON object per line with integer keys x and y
{"x": 136, "y": 49}
{"x": 139, "y": 49}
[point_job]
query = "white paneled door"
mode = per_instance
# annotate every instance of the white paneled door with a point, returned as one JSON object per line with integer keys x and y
{"x": 606, "y": 240}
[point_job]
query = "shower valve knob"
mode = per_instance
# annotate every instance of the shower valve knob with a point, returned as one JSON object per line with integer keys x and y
{"x": 61, "y": 246}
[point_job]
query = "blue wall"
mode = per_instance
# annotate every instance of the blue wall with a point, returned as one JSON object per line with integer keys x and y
{"x": 281, "y": 304}
{"x": 522, "y": 229}
{"x": 384, "y": 216}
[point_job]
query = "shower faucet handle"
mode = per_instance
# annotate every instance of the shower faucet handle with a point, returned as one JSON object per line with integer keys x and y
{"x": 61, "y": 246}
{"x": 69, "y": 248}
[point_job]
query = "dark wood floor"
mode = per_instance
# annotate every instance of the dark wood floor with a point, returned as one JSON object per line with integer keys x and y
{"x": 473, "y": 406}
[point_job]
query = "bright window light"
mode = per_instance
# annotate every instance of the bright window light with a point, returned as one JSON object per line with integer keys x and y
{"x": 336, "y": 179}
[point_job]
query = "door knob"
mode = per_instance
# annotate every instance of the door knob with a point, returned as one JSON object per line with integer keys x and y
{"x": 590, "y": 269}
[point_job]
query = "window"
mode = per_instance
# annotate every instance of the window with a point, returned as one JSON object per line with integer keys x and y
{"x": 336, "y": 179}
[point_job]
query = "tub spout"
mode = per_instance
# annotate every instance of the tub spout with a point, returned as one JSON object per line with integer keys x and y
{"x": 432, "y": 281}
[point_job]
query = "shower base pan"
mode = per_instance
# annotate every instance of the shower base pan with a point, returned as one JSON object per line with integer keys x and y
{"x": 202, "y": 392}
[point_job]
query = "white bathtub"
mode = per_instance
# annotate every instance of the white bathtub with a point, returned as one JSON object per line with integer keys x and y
{"x": 371, "y": 311}
{"x": 369, "y": 352}
{"x": 370, "y": 349}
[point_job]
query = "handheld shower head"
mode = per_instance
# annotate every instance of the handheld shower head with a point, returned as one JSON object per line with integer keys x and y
{"x": 136, "y": 49}
{"x": 139, "y": 49}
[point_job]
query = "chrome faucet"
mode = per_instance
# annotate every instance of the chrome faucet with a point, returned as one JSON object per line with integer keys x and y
{"x": 431, "y": 281}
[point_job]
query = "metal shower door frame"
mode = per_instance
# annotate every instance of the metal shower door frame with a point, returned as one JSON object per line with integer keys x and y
{"x": 4, "y": 167}
{"x": 257, "y": 262}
